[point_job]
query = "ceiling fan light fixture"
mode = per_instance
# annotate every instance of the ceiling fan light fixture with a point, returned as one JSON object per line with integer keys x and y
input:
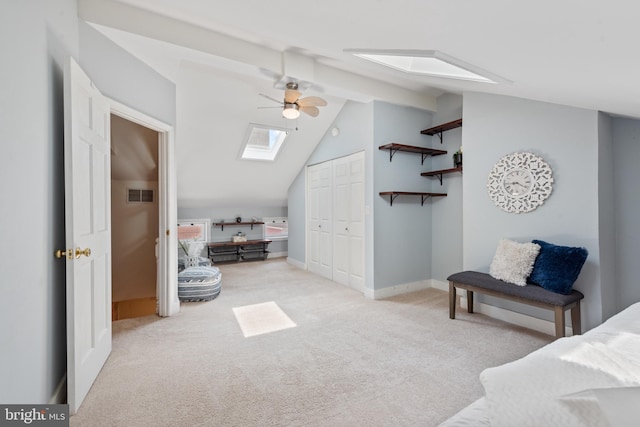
{"x": 291, "y": 111}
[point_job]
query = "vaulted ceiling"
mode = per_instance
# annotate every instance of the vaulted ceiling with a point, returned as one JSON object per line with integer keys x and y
{"x": 577, "y": 53}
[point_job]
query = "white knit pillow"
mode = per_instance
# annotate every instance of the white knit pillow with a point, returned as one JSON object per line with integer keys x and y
{"x": 513, "y": 261}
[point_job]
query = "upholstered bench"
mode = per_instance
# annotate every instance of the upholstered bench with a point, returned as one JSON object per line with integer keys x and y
{"x": 473, "y": 281}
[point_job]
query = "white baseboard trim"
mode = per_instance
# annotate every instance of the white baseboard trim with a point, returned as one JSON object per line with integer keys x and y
{"x": 277, "y": 255}
{"x": 437, "y": 284}
{"x": 296, "y": 263}
{"x": 391, "y": 291}
{"x": 60, "y": 393}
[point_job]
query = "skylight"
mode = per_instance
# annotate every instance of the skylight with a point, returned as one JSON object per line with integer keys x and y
{"x": 426, "y": 62}
{"x": 263, "y": 142}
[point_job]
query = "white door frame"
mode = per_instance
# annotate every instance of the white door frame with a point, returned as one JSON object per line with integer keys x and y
{"x": 167, "y": 282}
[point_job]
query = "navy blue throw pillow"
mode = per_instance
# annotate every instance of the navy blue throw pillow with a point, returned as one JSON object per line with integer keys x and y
{"x": 557, "y": 267}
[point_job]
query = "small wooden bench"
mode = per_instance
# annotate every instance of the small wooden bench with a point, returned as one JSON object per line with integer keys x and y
{"x": 473, "y": 281}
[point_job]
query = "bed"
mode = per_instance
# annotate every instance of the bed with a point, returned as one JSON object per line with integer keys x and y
{"x": 583, "y": 380}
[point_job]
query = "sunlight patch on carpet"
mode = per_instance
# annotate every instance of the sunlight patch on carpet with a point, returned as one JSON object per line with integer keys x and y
{"x": 257, "y": 319}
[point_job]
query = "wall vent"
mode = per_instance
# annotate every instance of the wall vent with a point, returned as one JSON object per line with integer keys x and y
{"x": 136, "y": 195}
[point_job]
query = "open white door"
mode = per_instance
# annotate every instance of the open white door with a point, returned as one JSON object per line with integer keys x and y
{"x": 88, "y": 232}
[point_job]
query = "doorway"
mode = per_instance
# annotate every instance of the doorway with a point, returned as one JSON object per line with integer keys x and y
{"x": 134, "y": 218}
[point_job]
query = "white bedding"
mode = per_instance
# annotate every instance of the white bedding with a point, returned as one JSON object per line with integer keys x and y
{"x": 584, "y": 380}
{"x": 474, "y": 415}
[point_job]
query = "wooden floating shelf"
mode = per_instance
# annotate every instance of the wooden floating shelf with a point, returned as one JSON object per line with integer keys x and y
{"x": 222, "y": 224}
{"x": 443, "y": 127}
{"x": 423, "y": 196}
{"x": 426, "y": 152}
{"x": 438, "y": 174}
{"x": 437, "y": 130}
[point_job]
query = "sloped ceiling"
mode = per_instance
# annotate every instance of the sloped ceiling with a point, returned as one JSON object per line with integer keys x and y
{"x": 572, "y": 53}
{"x": 134, "y": 151}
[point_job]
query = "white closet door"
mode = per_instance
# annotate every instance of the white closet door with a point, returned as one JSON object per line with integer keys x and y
{"x": 319, "y": 224}
{"x": 341, "y": 206}
{"x": 348, "y": 211}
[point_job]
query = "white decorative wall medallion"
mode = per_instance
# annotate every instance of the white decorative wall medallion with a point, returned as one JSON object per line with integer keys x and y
{"x": 520, "y": 182}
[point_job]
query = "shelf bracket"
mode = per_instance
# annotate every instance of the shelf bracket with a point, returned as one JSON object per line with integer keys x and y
{"x": 439, "y": 176}
{"x": 423, "y": 198}
{"x": 391, "y": 153}
{"x": 440, "y": 136}
{"x": 392, "y": 197}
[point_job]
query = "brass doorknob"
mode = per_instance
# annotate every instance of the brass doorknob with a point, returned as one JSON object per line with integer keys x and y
{"x": 64, "y": 254}
{"x": 86, "y": 252}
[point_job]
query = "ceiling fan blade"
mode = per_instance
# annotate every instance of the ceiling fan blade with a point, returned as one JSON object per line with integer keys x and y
{"x": 312, "y": 101}
{"x": 310, "y": 110}
{"x": 270, "y": 98}
{"x": 291, "y": 95}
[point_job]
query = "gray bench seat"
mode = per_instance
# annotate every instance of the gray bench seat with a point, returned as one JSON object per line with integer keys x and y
{"x": 474, "y": 281}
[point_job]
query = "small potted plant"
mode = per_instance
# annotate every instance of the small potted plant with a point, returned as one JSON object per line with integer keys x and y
{"x": 457, "y": 158}
{"x": 192, "y": 250}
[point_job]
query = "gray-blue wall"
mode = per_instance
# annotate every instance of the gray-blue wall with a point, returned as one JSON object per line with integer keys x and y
{"x": 446, "y": 214}
{"x": 568, "y": 139}
{"x": 402, "y": 232}
{"x": 355, "y": 122}
{"x": 36, "y": 39}
{"x": 606, "y": 217}
{"x": 398, "y": 237}
{"x": 626, "y": 140}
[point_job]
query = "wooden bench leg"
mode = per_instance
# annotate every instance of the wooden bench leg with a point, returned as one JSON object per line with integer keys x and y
{"x": 452, "y": 301}
{"x": 469, "y": 301}
{"x": 559, "y": 320}
{"x": 576, "y": 322}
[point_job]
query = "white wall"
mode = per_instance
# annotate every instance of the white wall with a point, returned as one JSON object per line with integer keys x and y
{"x": 124, "y": 78}
{"x": 36, "y": 38}
{"x": 567, "y": 138}
{"x": 226, "y": 214}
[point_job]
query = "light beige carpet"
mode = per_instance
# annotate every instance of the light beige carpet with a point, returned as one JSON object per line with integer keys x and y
{"x": 258, "y": 319}
{"x": 350, "y": 361}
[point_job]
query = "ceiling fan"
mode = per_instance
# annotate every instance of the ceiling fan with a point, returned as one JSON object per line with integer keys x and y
{"x": 292, "y": 104}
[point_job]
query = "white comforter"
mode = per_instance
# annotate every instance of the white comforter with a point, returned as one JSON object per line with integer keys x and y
{"x": 584, "y": 380}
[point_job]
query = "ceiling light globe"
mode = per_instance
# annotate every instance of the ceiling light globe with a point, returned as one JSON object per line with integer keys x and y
{"x": 291, "y": 111}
